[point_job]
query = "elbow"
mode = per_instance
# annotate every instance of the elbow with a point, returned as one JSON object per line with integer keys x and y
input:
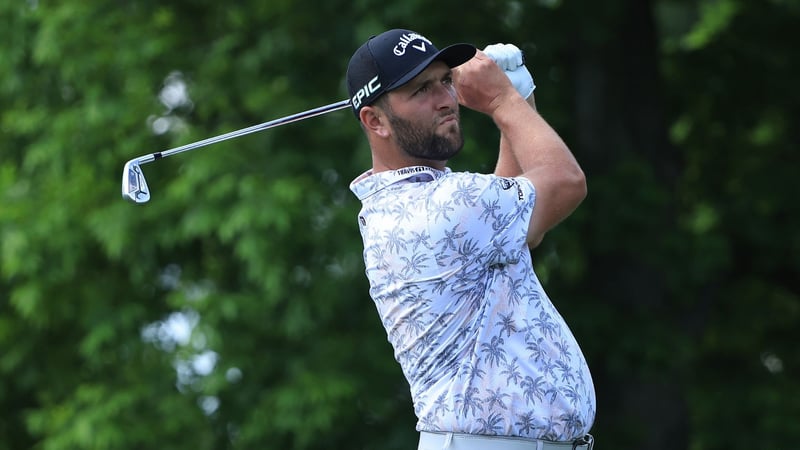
{"x": 577, "y": 185}
{"x": 584, "y": 186}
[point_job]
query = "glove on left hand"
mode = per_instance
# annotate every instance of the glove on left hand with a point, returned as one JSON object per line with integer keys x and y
{"x": 509, "y": 58}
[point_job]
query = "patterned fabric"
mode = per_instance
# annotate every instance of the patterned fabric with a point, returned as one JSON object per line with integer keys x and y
{"x": 481, "y": 345}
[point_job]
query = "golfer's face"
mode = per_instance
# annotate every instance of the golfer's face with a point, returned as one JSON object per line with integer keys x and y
{"x": 424, "y": 115}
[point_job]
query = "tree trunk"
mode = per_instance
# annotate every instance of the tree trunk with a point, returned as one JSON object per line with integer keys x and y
{"x": 621, "y": 119}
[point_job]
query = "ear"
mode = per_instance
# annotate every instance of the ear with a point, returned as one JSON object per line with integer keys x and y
{"x": 375, "y": 121}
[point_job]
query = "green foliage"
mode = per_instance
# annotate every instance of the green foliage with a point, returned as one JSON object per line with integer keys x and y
{"x": 232, "y": 311}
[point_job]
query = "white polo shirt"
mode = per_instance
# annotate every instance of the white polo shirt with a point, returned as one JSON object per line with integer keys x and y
{"x": 481, "y": 345}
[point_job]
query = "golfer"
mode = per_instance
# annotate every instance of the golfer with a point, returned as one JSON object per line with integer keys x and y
{"x": 490, "y": 362}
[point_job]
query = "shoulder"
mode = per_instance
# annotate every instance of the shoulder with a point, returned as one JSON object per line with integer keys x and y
{"x": 477, "y": 185}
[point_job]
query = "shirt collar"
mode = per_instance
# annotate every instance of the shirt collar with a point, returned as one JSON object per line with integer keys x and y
{"x": 369, "y": 182}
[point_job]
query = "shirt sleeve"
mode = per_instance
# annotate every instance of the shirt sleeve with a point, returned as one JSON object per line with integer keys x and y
{"x": 516, "y": 198}
{"x": 497, "y": 214}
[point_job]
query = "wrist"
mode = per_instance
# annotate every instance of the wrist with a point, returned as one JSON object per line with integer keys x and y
{"x": 511, "y": 108}
{"x": 531, "y": 101}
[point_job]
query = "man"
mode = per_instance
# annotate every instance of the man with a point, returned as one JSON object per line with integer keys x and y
{"x": 490, "y": 362}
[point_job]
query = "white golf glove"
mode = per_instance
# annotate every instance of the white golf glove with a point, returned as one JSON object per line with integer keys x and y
{"x": 510, "y": 59}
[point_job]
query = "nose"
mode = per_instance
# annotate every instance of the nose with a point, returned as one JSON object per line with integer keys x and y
{"x": 446, "y": 96}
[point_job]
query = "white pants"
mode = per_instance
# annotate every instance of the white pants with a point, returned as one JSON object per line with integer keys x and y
{"x": 457, "y": 441}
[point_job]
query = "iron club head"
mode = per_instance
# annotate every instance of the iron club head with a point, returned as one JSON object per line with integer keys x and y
{"x": 134, "y": 186}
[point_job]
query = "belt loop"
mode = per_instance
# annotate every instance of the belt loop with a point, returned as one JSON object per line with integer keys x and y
{"x": 587, "y": 440}
{"x": 447, "y": 441}
{"x": 539, "y": 444}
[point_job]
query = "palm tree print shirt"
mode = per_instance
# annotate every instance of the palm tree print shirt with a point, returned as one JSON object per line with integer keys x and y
{"x": 483, "y": 348}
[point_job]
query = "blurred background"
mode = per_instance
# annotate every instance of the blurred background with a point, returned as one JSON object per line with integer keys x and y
{"x": 232, "y": 310}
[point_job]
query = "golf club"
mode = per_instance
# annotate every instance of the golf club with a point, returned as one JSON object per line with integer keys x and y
{"x": 134, "y": 186}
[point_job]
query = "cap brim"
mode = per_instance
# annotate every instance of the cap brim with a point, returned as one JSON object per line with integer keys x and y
{"x": 452, "y": 55}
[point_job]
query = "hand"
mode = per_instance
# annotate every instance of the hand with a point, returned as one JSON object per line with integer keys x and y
{"x": 510, "y": 59}
{"x": 482, "y": 85}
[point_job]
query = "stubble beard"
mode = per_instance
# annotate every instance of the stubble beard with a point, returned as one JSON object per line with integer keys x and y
{"x": 422, "y": 142}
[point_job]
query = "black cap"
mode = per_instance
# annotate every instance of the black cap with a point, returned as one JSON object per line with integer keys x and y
{"x": 391, "y": 59}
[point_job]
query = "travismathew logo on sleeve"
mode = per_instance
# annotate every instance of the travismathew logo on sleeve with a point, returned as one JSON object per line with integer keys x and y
{"x": 508, "y": 183}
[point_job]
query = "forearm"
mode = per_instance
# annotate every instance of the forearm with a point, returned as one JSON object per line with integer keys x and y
{"x": 527, "y": 139}
{"x": 507, "y": 165}
{"x": 542, "y": 157}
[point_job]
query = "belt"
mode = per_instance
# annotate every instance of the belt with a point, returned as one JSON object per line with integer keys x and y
{"x": 459, "y": 441}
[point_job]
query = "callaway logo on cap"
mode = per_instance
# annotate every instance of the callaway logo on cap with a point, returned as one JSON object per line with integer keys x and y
{"x": 393, "y": 58}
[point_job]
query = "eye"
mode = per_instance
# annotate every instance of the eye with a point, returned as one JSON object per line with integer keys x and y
{"x": 447, "y": 80}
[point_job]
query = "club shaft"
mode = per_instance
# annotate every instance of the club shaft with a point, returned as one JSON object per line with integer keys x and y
{"x": 244, "y": 131}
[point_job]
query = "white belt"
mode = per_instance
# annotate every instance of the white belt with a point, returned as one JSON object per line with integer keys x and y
{"x": 458, "y": 441}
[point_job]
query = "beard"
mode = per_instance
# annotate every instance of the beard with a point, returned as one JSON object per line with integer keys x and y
{"x": 421, "y": 142}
